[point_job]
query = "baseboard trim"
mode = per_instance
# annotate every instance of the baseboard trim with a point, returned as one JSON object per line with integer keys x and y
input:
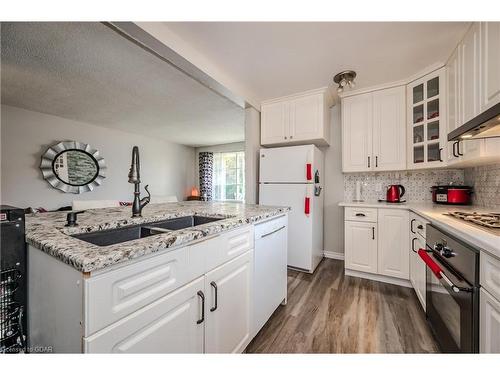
{"x": 333, "y": 255}
{"x": 381, "y": 278}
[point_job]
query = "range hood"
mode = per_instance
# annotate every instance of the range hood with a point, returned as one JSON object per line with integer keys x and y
{"x": 485, "y": 125}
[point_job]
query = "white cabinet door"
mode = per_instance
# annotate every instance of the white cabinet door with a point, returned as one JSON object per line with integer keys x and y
{"x": 357, "y": 128}
{"x": 417, "y": 268}
{"x": 489, "y": 323}
{"x": 361, "y": 246}
{"x": 393, "y": 257}
{"x": 229, "y": 306}
{"x": 169, "y": 325}
{"x": 427, "y": 126}
{"x": 470, "y": 78}
{"x": 274, "y": 123}
{"x": 389, "y": 129}
{"x": 270, "y": 271}
{"x": 306, "y": 120}
{"x": 490, "y": 61}
{"x": 470, "y": 89}
{"x": 453, "y": 101}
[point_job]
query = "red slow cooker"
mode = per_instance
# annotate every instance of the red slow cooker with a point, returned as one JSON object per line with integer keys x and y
{"x": 451, "y": 194}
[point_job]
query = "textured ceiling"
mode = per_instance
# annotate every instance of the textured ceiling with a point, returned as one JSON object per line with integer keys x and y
{"x": 87, "y": 72}
{"x": 272, "y": 59}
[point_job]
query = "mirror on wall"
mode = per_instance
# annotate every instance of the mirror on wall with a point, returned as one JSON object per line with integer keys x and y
{"x": 73, "y": 167}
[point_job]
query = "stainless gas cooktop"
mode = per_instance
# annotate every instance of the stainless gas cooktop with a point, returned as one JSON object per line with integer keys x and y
{"x": 489, "y": 221}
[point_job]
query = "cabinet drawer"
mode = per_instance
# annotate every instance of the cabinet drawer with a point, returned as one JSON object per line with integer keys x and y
{"x": 418, "y": 225}
{"x": 490, "y": 274}
{"x": 116, "y": 294}
{"x": 236, "y": 242}
{"x": 361, "y": 214}
{"x": 168, "y": 325}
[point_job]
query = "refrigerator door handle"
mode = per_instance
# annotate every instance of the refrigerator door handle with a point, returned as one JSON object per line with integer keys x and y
{"x": 309, "y": 171}
{"x": 307, "y": 205}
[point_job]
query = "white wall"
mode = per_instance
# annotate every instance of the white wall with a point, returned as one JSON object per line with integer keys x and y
{"x": 252, "y": 147}
{"x": 167, "y": 167}
{"x": 334, "y": 188}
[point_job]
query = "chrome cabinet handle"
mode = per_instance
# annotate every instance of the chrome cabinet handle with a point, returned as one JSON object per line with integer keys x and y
{"x": 458, "y": 149}
{"x": 360, "y": 215}
{"x": 376, "y": 161}
{"x": 440, "y": 154}
{"x": 274, "y": 231}
{"x": 202, "y": 296}
{"x": 373, "y": 233}
{"x": 413, "y": 245}
{"x": 214, "y": 285}
{"x": 411, "y": 226}
{"x": 454, "y": 149}
{"x": 368, "y": 162}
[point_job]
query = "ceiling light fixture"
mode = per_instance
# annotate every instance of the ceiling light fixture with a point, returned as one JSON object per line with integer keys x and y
{"x": 345, "y": 79}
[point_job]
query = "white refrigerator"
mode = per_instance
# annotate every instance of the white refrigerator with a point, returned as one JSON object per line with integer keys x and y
{"x": 293, "y": 176}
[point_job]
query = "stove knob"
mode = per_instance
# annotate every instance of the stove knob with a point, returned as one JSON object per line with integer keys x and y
{"x": 438, "y": 247}
{"x": 447, "y": 252}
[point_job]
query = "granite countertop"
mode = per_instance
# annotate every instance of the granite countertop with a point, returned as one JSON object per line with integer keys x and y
{"x": 46, "y": 231}
{"x": 435, "y": 213}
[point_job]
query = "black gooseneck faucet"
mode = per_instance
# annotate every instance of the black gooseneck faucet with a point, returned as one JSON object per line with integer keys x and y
{"x": 134, "y": 177}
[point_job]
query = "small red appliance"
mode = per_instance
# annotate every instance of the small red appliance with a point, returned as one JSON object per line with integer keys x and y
{"x": 452, "y": 194}
{"x": 395, "y": 193}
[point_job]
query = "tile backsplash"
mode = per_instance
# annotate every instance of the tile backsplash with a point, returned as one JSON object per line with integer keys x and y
{"x": 416, "y": 183}
{"x": 486, "y": 182}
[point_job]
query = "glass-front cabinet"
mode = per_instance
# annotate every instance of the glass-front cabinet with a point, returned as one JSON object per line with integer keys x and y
{"x": 426, "y": 121}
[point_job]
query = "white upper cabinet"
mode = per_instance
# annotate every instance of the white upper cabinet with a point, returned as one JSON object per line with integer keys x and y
{"x": 389, "y": 134}
{"x": 426, "y": 118}
{"x": 373, "y": 131}
{"x": 357, "y": 128}
{"x": 490, "y": 64}
{"x": 306, "y": 117}
{"x": 275, "y": 117}
{"x": 470, "y": 84}
{"x": 453, "y": 101}
{"x": 473, "y": 86}
{"x": 297, "y": 119}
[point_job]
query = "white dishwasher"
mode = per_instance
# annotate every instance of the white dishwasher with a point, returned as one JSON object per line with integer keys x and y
{"x": 270, "y": 269}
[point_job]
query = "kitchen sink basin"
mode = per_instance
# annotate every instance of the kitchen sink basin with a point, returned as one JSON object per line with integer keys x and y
{"x": 134, "y": 232}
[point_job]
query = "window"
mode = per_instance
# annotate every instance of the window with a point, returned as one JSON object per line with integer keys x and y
{"x": 229, "y": 176}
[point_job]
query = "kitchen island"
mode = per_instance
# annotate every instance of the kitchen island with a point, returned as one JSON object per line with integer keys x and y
{"x": 188, "y": 290}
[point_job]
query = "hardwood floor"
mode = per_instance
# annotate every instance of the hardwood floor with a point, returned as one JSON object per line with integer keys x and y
{"x": 328, "y": 312}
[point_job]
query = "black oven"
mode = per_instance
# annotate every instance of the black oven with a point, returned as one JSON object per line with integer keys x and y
{"x": 452, "y": 296}
{"x": 13, "y": 286}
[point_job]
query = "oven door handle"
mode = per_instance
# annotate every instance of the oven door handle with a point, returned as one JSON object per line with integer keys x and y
{"x": 436, "y": 270}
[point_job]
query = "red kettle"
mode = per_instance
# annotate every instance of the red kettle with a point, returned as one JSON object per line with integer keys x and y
{"x": 395, "y": 193}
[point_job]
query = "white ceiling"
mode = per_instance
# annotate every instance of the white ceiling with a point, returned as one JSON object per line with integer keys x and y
{"x": 87, "y": 72}
{"x": 274, "y": 59}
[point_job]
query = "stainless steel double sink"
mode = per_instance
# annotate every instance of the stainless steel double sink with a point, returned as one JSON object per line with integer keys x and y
{"x": 134, "y": 232}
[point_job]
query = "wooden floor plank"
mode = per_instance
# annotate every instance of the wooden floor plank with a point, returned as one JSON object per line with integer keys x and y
{"x": 328, "y": 312}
